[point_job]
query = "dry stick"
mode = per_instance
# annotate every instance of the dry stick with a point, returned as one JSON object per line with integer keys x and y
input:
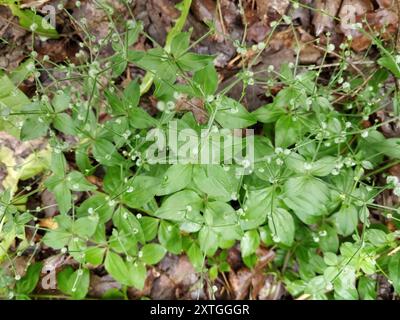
{"x": 339, "y": 56}
{"x": 221, "y": 18}
{"x": 355, "y": 91}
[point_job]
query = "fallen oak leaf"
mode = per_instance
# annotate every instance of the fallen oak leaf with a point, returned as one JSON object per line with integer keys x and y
{"x": 324, "y": 16}
{"x": 48, "y": 223}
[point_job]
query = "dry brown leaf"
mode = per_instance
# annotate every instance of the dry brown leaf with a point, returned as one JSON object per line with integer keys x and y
{"x": 323, "y": 19}
{"x": 241, "y": 280}
{"x": 100, "y": 285}
{"x": 309, "y": 54}
{"x": 33, "y": 3}
{"x": 390, "y": 129}
{"x": 206, "y": 10}
{"x": 267, "y": 287}
{"x": 175, "y": 277}
{"x": 48, "y": 223}
{"x": 349, "y": 14}
{"x": 385, "y": 3}
{"x": 382, "y": 18}
{"x": 195, "y": 105}
{"x": 271, "y": 9}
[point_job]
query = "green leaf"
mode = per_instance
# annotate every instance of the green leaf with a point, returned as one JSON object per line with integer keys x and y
{"x": 329, "y": 242}
{"x": 61, "y": 101}
{"x": 208, "y": 240}
{"x": 176, "y": 178}
{"x": 259, "y": 204}
{"x": 22, "y": 72}
{"x": 117, "y": 268}
{"x": 95, "y": 255}
{"x": 138, "y": 274}
{"x": 177, "y": 206}
{"x": 193, "y": 62}
{"x": 106, "y": 153}
{"x": 119, "y": 64}
{"x": 207, "y": 79}
{"x": 127, "y": 222}
{"x": 196, "y": 257}
{"x": 150, "y": 228}
{"x": 97, "y": 204}
{"x": 394, "y": 271}
{"x": 75, "y": 284}
{"x": 56, "y": 239}
{"x": 28, "y": 282}
{"x": 76, "y": 181}
{"x": 33, "y": 127}
{"x": 140, "y": 190}
{"x": 170, "y": 237}
{"x": 28, "y": 17}
{"x": 11, "y": 100}
{"x": 389, "y": 62}
{"x": 152, "y": 253}
{"x": 249, "y": 243}
{"x": 287, "y": 131}
{"x": 367, "y": 288}
{"x": 268, "y": 113}
{"x": 232, "y": 115}
{"x": 323, "y": 166}
{"x": 213, "y": 272}
{"x": 346, "y": 220}
{"x": 64, "y": 123}
{"x": 376, "y": 237}
{"x": 344, "y": 284}
{"x": 330, "y": 259}
{"x": 307, "y": 197}
{"x": 223, "y": 220}
{"x": 180, "y": 44}
{"x": 214, "y": 181}
{"x": 140, "y": 119}
{"x": 281, "y": 224}
{"x": 132, "y": 94}
{"x": 63, "y": 197}
{"x": 86, "y": 226}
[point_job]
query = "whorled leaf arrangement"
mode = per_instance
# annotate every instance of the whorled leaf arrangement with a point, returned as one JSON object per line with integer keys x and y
{"x": 308, "y": 197}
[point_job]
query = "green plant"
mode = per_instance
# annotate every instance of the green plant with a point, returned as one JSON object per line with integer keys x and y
{"x": 308, "y": 196}
{"x": 30, "y": 20}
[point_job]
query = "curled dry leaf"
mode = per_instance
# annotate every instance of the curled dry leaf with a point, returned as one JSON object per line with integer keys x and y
{"x": 49, "y": 203}
{"x": 175, "y": 278}
{"x": 272, "y": 9}
{"x": 325, "y": 11}
{"x": 259, "y": 20}
{"x": 195, "y": 105}
{"x": 267, "y": 287}
{"x": 242, "y": 280}
{"x": 100, "y": 285}
{"x": 390, "y": 129}
{"x": 258, "y": 31}
{"x": 161, "y": 15}
{"x": 395, "y": 170}
{"x": 206, "y": 10}
{"x": 308, "y": 52}
{"x": 303, "y": 15}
